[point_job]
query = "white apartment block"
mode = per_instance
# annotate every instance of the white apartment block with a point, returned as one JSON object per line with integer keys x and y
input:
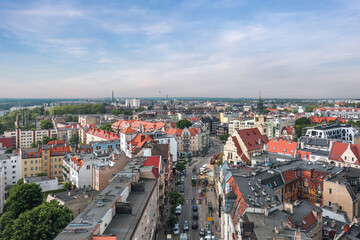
{"x": 24, "y": 139}
{"x": 78, "y": 169}
{"x": 337, "y": 131}
{"x": 236, "y": 124}
{"x": 133, "y": 103}
{"x": 11, "y": 165}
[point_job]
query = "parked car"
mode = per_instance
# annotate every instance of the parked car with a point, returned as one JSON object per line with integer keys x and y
{"x": 178, "y": 210}
{"x": 182, "y": 187}
{"x": 195, "y": 216}
{"x": 195, "y": 208}
{"x": 195, "y": 225}
{"x": 176, "y": 230}
{"x": 202, "y": 232}
{"x": 182, "y": 178}
{"x": 186, "y": 225}
{"x": 183, "y": 236}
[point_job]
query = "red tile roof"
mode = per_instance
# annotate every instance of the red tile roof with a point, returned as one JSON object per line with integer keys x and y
{"x": 155, "y": 162}
{"x": 289, "y": 176}
{"x": 326, "y": 119}
{"x": 281, "y": 146}
{"x": 289, "y": 130}
{"x": 304, "y": 154}
{"x": 337, "y": 150}
{"x": 103, "y": 134}
{"x": 128, "y": 130}
{"x": 239, "y": 150}
{"x": 251, "y": 137}
{"x": 56, "y": 142}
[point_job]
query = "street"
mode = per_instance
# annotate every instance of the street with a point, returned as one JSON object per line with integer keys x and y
{"x": 193, "y": 197}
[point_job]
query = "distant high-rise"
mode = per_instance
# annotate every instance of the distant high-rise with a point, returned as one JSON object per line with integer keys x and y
{"x": 112, "y": 96}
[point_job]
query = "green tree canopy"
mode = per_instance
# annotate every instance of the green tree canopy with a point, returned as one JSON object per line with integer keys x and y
{"x": 224, "y": 137}
{"x": 180, "y": 167}
{"x": 106, "y": 127}
{"x": 42, "y": 222}
{"x": 70, "y": 118}
{"x": 9, "y": 150}
{"x": 78, "y": 109}
{"x": 302, "y": 121}
{"x": 184, "y": 123}
{"x": 46, "y": 124}
{"x": 140, "y": 109}
{"x": 309, "y": 108}
{"x": 24, "y": 197}
{"x": 74, "y": 139}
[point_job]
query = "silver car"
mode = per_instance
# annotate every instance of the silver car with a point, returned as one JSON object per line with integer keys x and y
{"x": 186, "y": 225}
{"x": 176, "y": 230}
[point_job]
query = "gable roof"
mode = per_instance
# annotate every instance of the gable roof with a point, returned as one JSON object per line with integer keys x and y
{"x": 128, "y": 130}
{"x": 250, "y": 138}
{"x": 337, "y": 150}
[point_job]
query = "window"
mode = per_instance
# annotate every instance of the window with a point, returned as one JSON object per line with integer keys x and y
{"x": 329, "y": 190}
{"x": 340, "y": 208}
{"x": 87, "y": 166}
{"x": 45, "y": 158}
{"x": 32, "y": 168}
{"x": 25, "y": 169}
{"x": 329, "y": 204}
{"x": 36, "y": 162}
{"x": 32, "y": 162}
{"x": 25, "y": 162}
{"x": 45, "y": 164}
{"x": 13, "y": 166}
{"x": 55, "y": 166}
{"x": 36, "y": 168}
{"x": 13, "y": 172}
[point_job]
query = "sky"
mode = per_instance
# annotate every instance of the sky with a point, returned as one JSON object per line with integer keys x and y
{"x": 202, "y": 48}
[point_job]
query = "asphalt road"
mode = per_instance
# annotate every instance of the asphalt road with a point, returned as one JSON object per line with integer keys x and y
{"x": 190, "y": 193}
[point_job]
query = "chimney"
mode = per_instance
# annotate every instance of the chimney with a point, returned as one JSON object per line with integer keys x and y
{"x": 333, "y": 223}
{"x": 276, "y": 230}
{"x": 289, "y": 207}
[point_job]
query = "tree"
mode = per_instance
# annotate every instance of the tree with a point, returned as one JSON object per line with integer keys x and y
{"x": 74, "y": 139}
{"x": 42, "y": 174}
{"x": 106, "y": 127}
{"x": 309, "y": 108}
{"x": 184, "y": 123}
{"x": 116, "y": 112}
{"x": 302, "y": 121}
{"x": 180, "y": 167}
{"x": 45, "y": 139}
{"x": 140, "y": 109}
{"x": 46, "y": 124}
{"x": 228, "y": 109}
{"x": 165, "y": 108}
{"x": 70, "y": 118}
{"x": 224, "y": 137}
{"x": 9, "y": 150}
{"x": 43, "y": 222}
{"x": 24, "y": 197}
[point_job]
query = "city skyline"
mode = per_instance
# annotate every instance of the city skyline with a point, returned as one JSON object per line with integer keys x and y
{"x": 228, "y": 48}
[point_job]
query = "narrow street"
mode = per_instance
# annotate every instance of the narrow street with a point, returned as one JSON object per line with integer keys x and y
{"x": 193, "y": 197}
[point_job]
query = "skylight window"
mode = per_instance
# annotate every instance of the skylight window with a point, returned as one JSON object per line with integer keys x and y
{"x": 274, "y": 148}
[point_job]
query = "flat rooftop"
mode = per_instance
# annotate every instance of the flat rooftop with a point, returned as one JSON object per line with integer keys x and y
{"x": 123, "y": 225}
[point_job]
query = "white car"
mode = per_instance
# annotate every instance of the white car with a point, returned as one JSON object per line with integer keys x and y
{"x": 178, "y": 210}
{"x": 186, "y": 225}
{"x": 176, "y": 230}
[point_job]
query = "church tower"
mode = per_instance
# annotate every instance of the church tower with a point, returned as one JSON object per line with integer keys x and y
{"x": 260, "y": 116}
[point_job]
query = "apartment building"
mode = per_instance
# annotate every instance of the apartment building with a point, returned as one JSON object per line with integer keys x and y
{"x": 85, "y": 120}
{"x": 237, "y": 124}
{"x": 104, "y": 171}
{"x": 345, "y": 113}
{"x": 12, "y": 166}
{"x": 243, "y": 143}
{"x": 24, "y": 139}
{"x": 94, "y": 135}
{"x": 341, "y": 192}
{"x": 126, "y": 209}
{"x": 138, "y": 126}
{"x": 335, "y": 131}
{"x": 44, "y": 159}
{"x": 78, "y": 168}
{"x": 190, "y": 141}
{"x": 345, "y": 155}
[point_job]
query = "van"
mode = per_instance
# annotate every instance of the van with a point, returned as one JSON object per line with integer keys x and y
{"x": 168, "y": 237}
{"x": 183, "y": 236}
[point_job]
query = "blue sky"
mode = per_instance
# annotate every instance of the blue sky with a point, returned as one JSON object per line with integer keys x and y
{"x": 228, "y": 48}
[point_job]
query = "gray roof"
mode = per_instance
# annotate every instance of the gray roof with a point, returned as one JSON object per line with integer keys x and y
{"x": 314, "y": 141}
{"x": 37, "y": 179}
{"x": 71, "y": 195}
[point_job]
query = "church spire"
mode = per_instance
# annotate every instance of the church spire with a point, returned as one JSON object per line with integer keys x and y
{"x": 260, "y": 106}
